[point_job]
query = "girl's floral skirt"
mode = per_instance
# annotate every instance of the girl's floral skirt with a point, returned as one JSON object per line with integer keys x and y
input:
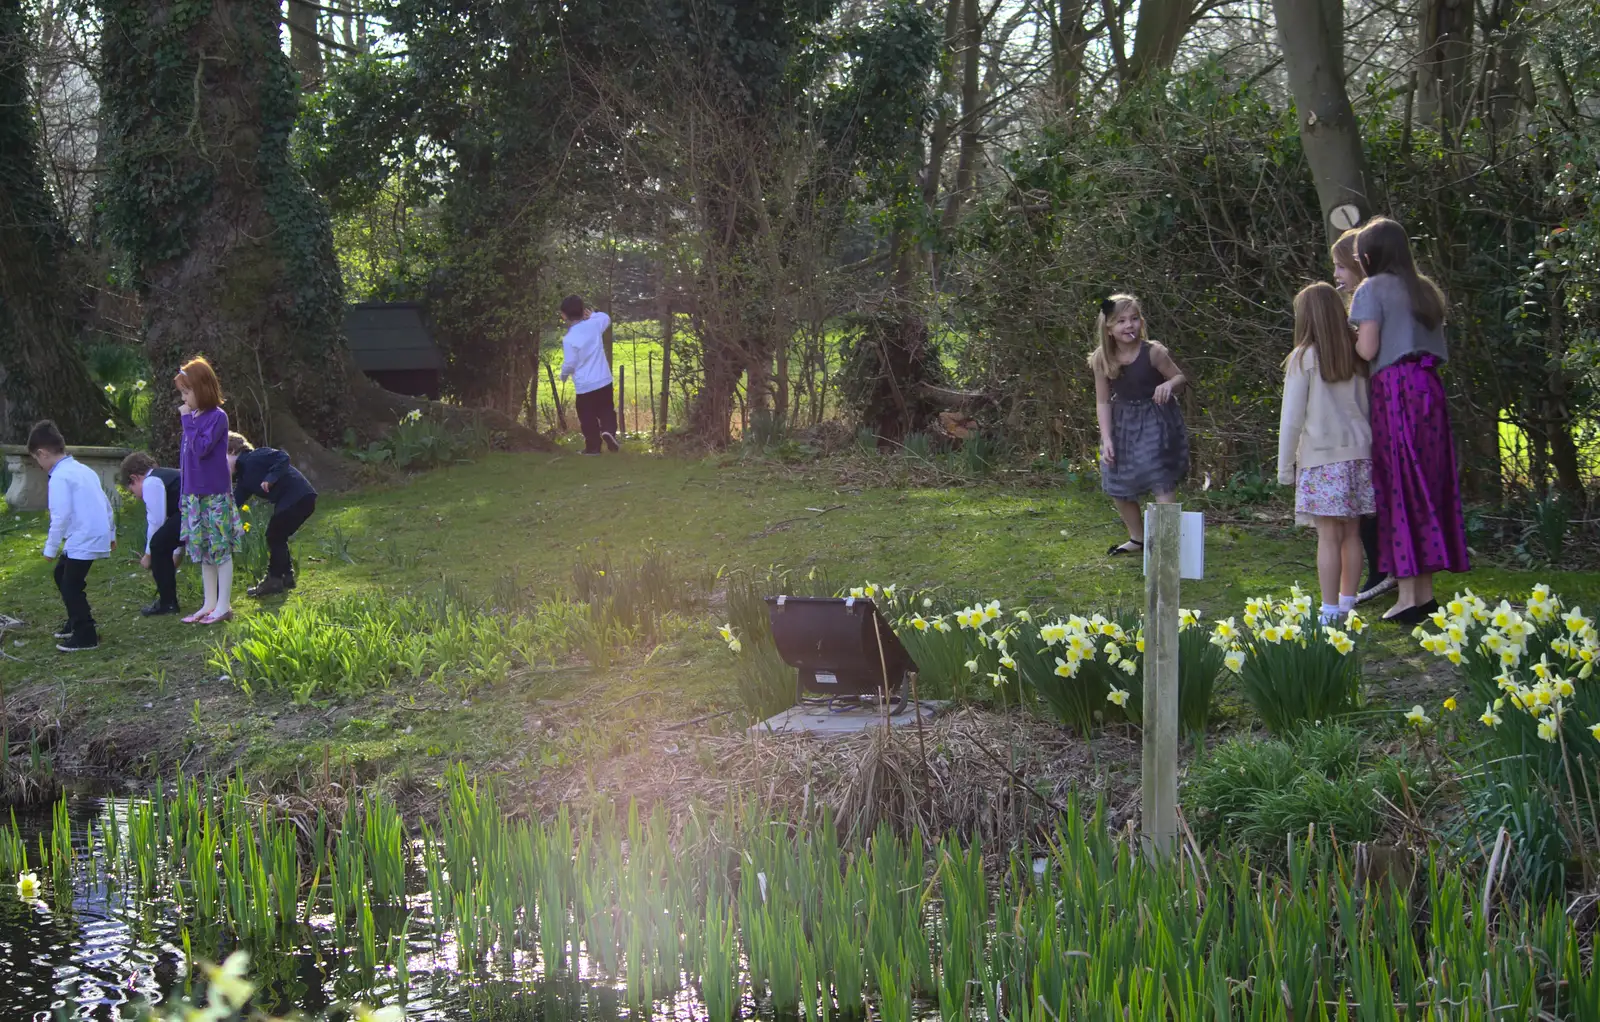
{"x": 211, "y": 527}
{"x": 1340, "y": 490}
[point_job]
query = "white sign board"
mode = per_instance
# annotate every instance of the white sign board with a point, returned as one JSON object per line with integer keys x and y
{"x": 1191, "y": 545}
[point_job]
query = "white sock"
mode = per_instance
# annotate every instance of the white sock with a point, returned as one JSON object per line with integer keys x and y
{"x": 1346, "y": 603}
{"x": 1329, "y": 612}
{"x": 208, "y": 578}
{"x": 224, "y": 587}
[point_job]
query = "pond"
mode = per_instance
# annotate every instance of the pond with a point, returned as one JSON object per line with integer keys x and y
{"x": 102, "y": 944}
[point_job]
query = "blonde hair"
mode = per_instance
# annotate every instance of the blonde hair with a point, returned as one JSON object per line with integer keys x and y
{"x": 238, "y": 443}
{"x": 1321, "y": 325}
{"x": 1103, "y": 359}
{"x": 1343, "y": 252}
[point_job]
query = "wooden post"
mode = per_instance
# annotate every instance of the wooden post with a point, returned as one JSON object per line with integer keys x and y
{"x": 650, "y": 389}
{"x": 1159, "y": 776}
{"x": 622, "y": 399}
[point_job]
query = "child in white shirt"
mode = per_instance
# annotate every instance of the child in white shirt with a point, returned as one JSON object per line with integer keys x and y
{"x": 583, "y": 360}
{"x": 1324, "y": 433}
{"x": 82, "y": 531}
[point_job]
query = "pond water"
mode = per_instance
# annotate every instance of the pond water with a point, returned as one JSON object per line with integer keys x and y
{"x": 97, "y": 949}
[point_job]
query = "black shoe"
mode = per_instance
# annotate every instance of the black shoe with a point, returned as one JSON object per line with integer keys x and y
{"x": 272, "y": 585}
{"x": 611, "y": 442}
{"x": 63, "y": 631}
{"x": 591, "y": 454}
{"x": 158, "y": 608}
{"x": 1413, "y": 616}
{"x": 77, "y": 644}
{"x": 1133, "y": 546}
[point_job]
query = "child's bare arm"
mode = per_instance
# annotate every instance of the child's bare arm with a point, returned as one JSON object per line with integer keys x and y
{"x": 1162, "y": 359}
{"x": 1102, "y": 411}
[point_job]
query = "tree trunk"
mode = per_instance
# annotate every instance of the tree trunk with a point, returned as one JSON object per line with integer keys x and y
{"x": 1312, "y": 34}
{"x": 1068, "y": 41}
{"x": 968, "y": 127}
{"x": 1445, "y": 58}
{"x": 42, "y": 372}
{"x": 231, "y": 251}
{"x": 1156, "y": 35}
{"x": 305, "y": 49}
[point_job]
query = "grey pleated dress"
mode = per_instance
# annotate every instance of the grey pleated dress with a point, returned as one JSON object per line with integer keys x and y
{"x": 1151, "y": 444}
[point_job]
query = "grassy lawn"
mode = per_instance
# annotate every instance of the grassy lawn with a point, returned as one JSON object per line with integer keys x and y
{"x": 151, "y": 699}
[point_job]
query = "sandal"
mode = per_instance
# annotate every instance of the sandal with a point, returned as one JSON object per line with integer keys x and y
{"x": 1123, "y": 548}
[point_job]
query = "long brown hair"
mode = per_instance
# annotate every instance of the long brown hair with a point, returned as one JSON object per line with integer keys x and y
{"x": 202, "y": 382}
{"x": 1322, "y": 326}
{"x": 1104, "y": 356}
{"x": 1384, "y": 248}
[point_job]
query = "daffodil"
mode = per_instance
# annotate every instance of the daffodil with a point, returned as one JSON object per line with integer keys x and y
{"x": 1489, "y": 717}
{"x": 1117, "y": 696}
{"x": 392, "y": 1013}
{"x": 28, "y": 886}
{"x": 1007, "y": 662}
{"x": 726, "y": 631}
{"x": 735, "y": 645}
{"x": 1022, "y": 615}
{"x": 1355, "y": 623}
{"x": 1594, "y": 731}
{"x": 1064, "y": 669}
{"x": 1417, "y": 718}
{"x": 856, "y": 593}
{"x": 1128, "y": 666}
{"x": 1234, "y": 660}
{"x": 1575, "y": 621}
{"x": 941, "y": 625}
{"x": 927, "y": 602}
{"x": 1549, "y": 730}
{"x": 1450, "y": 704}
{"x": 972, "y": 665}
{"x": 1564, "y": 688}
{"x": 996, "y": 678}
{"x": 1113, "y": 652}
{"x": 227, "y": 985}
{"x": 920, "y": 623}
{"x": 888, "y": 592}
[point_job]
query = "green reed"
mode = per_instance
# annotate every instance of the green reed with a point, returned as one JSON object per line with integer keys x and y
{"x": 1099, "y": 931}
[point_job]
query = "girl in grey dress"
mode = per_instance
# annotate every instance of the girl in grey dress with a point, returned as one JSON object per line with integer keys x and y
{"x": 1144, "y": 447}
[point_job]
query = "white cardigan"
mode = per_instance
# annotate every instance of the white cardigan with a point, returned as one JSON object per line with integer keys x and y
{"x": 1322, "y": 423}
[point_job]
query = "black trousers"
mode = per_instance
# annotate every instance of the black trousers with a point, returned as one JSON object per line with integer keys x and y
{"x": 597, "y": 413}
{"x": 285, "y": 522}
{"x": 1369, "y": 540}
{"x": 162, "y": 570}
{"x": 72, "y": 577}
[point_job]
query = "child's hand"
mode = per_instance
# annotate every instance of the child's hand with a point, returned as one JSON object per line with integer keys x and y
{"x": 266, "y": 487}
{"x": 1108, "y": 454}
{"x": 1163, "y": 393}
{"x": 144, "y": 562}
{"x": 177, "y": 557}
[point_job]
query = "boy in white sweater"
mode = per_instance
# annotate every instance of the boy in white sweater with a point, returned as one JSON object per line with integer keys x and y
{"x": 82, "y": 531}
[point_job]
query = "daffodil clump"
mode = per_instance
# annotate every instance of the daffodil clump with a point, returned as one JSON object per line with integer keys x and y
{"x": 1533, "y": 668}
{"x": 1291, "y": 668}
{"x": 228, "y": 993}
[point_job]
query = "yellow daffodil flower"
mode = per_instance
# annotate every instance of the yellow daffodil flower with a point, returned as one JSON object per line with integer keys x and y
{"x": 1234, "y": 660}
{"x": 1417, "y": 718}
{"x": 28, "y": 886}
{"x": 1450, "y": 704}
{"x": 919, "y": 622}
{"x": 1022, "y": 615}
{"x": 1064, "y": 669}
{"x": 1128, "y": 667}
{"x": 1564, "y": 688}
{"x": 1117, "y": 696}
{"x": 726, "y": 631}
{"x": 1355, "y": 623}
{"x": 1008, "y": 663}
{"x": 972, "y": 665}
{"x": 1594, "y": 731}
{"x": 1490, "y": 718}
{"x": 1548, "y": 730}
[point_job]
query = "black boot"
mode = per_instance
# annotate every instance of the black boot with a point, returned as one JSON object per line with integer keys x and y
{"x": 272, "y": 585}
{"x": 159, "y": 608}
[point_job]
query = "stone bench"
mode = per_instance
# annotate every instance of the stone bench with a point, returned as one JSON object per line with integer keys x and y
{"x": 30, "y": 487}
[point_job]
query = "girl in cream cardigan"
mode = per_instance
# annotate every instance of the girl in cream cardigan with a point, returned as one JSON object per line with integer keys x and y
{"x": 1325, "y": 442}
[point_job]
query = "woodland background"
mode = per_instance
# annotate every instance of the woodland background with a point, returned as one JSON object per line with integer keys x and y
{"x": 810, "y": 212}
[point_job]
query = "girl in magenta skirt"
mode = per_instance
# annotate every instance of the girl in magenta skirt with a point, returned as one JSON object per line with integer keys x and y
{"x": 1399, "y": 319}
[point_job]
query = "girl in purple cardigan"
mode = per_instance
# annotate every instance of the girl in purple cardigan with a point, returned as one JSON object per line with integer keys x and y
{"x": 211, "y": 526}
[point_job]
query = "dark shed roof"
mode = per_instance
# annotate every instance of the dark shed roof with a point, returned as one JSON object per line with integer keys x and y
{"x": 390, "y": 336}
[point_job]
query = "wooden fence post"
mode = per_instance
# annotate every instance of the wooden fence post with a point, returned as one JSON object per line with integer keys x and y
{"x": 622, "y": 399}
{"x": 1159, "y": 776}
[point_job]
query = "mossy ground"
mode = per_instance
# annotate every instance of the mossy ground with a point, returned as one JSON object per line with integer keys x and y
{"x": 148, "y": 700}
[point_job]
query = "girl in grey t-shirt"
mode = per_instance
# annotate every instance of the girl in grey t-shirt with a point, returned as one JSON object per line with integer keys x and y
{"x": 1399, "y": 318}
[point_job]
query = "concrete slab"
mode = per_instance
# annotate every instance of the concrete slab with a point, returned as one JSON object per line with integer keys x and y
{"x": 816, "y": 720}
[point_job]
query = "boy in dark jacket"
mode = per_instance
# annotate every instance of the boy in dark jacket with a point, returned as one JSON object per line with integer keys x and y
{"x": 265, "y": 472}
{"x": 158, "y": 488}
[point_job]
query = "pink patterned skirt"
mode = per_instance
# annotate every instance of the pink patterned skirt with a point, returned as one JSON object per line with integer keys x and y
{"x": 1420, "y": 528}
{"x": 1342, "y": 489}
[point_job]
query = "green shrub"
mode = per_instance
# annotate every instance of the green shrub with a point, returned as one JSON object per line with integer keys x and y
{"x": 1258, "y": 791}
{"x": 419, "y": 442}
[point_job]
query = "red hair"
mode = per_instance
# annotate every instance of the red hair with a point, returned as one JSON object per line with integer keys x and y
{"x": 202, "y": 382}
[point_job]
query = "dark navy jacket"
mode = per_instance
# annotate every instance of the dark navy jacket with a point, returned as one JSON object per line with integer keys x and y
{"x": 269, "y": 465}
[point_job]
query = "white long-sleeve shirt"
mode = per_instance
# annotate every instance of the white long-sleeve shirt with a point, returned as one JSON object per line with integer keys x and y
{"x": 583, "y": 354}
{"x": 81, "y": 523}
{"x": 154, "y": 495}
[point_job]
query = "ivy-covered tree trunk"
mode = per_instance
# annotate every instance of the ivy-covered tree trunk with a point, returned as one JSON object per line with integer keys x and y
{"x": 42, "y": 372}
{"x": 231, "y": 250}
